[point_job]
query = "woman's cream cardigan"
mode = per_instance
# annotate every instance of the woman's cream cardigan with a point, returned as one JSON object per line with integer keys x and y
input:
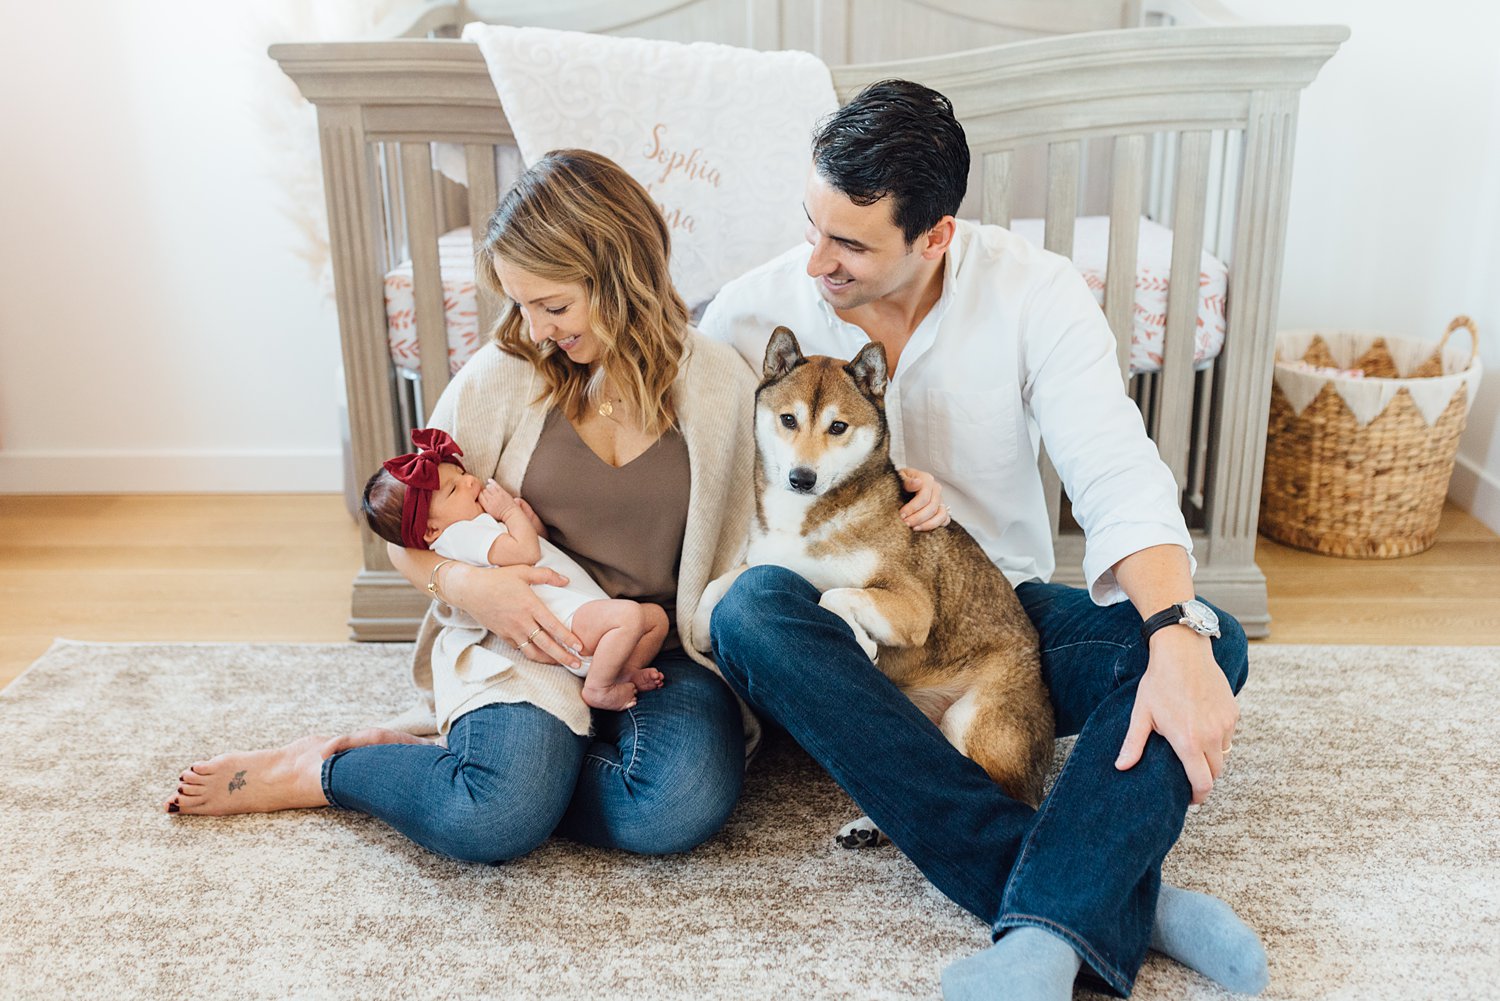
{"x": 490, "y": 409}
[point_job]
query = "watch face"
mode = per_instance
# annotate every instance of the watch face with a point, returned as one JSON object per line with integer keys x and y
{"x": 1200, "y": 617}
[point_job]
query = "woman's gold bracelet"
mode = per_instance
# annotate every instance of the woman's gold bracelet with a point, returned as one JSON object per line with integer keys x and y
{"x": 432, "y": 587}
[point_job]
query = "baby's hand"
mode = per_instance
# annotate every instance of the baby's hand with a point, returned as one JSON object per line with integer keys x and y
{"x": 495, "y": 501}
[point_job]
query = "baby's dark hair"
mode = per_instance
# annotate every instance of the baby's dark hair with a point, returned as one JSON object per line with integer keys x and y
{"x": 382, "y": 503}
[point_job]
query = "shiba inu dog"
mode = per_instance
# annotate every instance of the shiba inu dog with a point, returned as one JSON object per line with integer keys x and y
{"x": 930, "y": 608}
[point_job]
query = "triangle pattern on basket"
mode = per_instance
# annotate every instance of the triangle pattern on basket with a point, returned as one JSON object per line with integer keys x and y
{"x": 1299, "y": 388}
{"x": 1367, "y": 398}
{"x": 1346, "y": 347}
{"x": 1293, "y": 345}
{"x": 1409, "y": 355}
{"x": 1432, "y": 396}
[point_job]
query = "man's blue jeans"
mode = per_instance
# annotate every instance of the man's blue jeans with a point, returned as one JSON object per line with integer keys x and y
{"x": 1087, "y": 865}
{"x": 659, "y": 778}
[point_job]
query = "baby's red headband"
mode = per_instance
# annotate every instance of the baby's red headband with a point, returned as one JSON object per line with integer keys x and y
{"x": 419, "y": 471}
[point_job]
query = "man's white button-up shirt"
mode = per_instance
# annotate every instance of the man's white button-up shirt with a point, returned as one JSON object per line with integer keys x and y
{"x": 1015, "y": 351}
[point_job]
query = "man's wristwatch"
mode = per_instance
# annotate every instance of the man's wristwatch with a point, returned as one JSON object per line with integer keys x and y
{"x": 1192, "y": 613}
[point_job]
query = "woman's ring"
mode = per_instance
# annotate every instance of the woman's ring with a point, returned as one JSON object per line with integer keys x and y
{"x": 524, "y": 644}
{"x": 533, "y": 633}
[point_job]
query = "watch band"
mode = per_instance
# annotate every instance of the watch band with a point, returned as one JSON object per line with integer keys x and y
{"x": 1170, "y": 616}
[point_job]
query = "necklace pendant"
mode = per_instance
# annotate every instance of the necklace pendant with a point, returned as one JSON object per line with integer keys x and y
{"x": 606, "y": 408}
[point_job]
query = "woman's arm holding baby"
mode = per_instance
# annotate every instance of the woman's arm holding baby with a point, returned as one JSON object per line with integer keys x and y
{"x": 499, "y": 598}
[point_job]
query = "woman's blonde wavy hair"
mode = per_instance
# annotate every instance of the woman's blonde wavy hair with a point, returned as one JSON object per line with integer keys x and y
{"x": 576, "y": 217}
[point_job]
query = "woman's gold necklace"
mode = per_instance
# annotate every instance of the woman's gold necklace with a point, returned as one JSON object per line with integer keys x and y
{"x": 607, "y": 408}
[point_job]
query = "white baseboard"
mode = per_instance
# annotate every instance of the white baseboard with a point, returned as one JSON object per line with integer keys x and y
{"x": 171, "y": 471}
{"x": 1477, "y": 491}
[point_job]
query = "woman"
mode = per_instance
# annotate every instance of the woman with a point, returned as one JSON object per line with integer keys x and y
{"x": 631, "y": 436}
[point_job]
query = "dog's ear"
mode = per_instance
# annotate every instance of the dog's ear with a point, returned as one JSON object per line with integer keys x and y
{"x": 868, "y": 370}
{"x": 783, "y": 354}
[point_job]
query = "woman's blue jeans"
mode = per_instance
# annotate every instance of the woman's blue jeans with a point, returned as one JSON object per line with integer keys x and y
{"x": 661, "y": 777}
{"x": 1087, "y": 865}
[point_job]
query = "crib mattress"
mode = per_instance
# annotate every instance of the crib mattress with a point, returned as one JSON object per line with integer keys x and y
{"x": 1090, "y": 254}
{"x": 460, "y": 304}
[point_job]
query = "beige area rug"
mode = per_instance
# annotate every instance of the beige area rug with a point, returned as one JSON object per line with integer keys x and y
{"x": 1357, "y": 831}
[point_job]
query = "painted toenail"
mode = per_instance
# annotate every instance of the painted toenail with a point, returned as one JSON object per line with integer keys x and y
{"x": 173, "y": 808}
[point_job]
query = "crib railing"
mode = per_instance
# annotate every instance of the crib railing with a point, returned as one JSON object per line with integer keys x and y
{"x": 1193, "y": 127}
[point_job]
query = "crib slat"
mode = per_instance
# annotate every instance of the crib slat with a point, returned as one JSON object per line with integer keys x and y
{"x": 1241, "y": 408}
{"x": 351, "y": 183}
{"x": 1128, "y": 174}
{"x": 763, "y": 25}
{"x": 511, "y": 165}
{"x": 1174, "y": 414}
{"x": 1228, "y": 182}
{"x": 419, "y": 192}
{"x": 479, "y": 161}
{"x": 1062, "y": 214}
{"x": 395, "y": 224}
{"x": 994, "y": 205}
{"x": 1198, "y": 457}
{"x": 453, "y": 203}
{"x": 832, "y": 27}
{"x": 1062, "y": 196}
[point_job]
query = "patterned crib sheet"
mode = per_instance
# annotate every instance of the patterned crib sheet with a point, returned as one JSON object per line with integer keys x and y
{"x": 1152, "y": 266}
{"x": 460, "y": 304}
{"x": 1090, "y": 254}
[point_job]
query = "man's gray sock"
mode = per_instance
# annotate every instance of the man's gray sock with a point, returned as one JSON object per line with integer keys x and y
{"x": 1204, "y": 934}
{"x": 1027, "y": 964}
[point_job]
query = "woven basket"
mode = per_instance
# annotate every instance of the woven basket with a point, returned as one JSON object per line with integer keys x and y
{"x": 1359, "y": 466}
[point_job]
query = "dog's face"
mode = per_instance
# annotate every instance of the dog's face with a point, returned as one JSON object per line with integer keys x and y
{"x": 817, "y": 419}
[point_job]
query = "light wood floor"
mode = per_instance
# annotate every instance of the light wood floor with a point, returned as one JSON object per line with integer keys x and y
{"x": 264, "y": 568}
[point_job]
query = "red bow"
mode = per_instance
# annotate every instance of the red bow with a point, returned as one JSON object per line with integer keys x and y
{"x": 419, "y": 471}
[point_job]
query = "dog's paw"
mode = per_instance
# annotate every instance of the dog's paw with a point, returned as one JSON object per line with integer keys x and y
{"x": 845, "y": 602}
{"x": 862, "y": 833}
{"x": 703, "y": 616}
{"x": 702, "y": 640}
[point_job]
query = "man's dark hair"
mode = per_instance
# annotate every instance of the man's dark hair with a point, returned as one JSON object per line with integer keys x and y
{"x": 901, "y": 139}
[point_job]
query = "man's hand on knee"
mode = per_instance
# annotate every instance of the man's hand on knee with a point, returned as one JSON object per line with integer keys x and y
{"x": 1185, "y": 697}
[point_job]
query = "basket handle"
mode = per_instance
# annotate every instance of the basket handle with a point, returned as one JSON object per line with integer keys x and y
{"x": 1461, "y": 321}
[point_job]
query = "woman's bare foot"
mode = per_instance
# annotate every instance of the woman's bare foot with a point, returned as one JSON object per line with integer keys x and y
{"x": 620, "y": 695}
{"x": 645, "y": 679}
{"x": 282, "y": 778}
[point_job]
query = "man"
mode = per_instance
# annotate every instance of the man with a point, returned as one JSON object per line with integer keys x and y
{"x": 990, "y": 341}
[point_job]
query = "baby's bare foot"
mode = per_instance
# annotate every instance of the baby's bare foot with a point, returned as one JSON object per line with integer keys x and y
{"x": 645, "y": 679}
{"x": 283, "y": 778}
{"x": 620, "y": 695}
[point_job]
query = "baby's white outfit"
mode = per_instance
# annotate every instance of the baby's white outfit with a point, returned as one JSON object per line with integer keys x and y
{"x": 470, "y": 541}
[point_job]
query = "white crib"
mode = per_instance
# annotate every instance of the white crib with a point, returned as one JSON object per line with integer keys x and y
{"x": 1070, "y": 110}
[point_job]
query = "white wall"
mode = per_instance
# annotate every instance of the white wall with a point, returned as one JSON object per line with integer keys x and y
{"x": 1395, "y": 213}
{"x": 162, "y": 330}
{"x": 159, "y": 331}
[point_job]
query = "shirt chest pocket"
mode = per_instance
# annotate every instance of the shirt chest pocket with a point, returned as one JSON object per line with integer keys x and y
{"x": 973, "y": 434}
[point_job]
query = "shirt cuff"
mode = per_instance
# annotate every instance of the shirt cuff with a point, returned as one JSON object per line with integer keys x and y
{"x": 1119, "y": 541}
